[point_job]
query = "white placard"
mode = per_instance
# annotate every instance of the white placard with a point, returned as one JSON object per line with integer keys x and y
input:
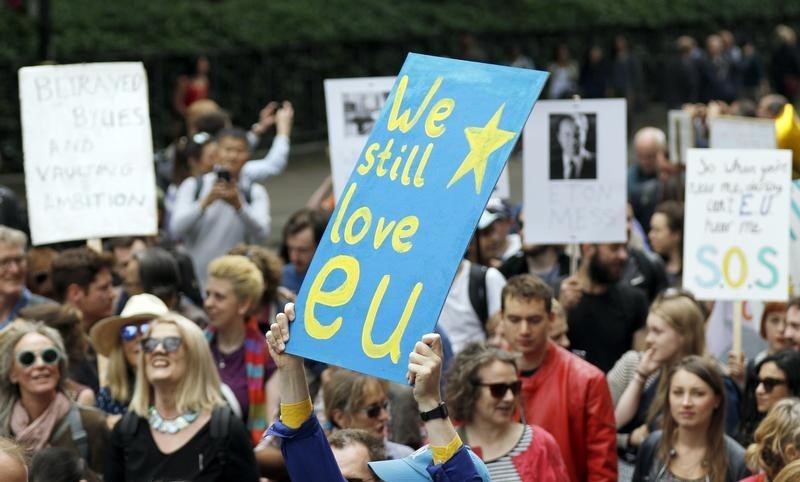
{"x": 729, "y": 132}
{"x": 794, "y": 250}
{"x": 353, "y": 106}
{"x": 736, "y": 228}
{"x": 590, "y": 207}
{"x": 88, "y": 151}
{"x": 681, "y": 135}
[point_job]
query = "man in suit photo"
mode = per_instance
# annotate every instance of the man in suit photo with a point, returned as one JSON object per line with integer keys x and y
{"x": 569, "y": 156}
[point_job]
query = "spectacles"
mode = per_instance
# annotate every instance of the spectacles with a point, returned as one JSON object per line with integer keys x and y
{"x": 374, "y": 410}
{"x": 130, "y": 332}
{"x": 770, "y": 383}
{"x": 170, "y": 344}
{"x": 499, "y": 390}
{"x": 18, "y": 260}
{"x": 49, "y": 356}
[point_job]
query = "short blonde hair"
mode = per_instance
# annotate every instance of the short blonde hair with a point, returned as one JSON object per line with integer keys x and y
{"x": 199, "y": 389}
{"x": 243, "y": 274}
{"x": 780, "y": 428}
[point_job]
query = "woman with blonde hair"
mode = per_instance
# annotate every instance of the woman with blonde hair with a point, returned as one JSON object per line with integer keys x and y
{"x": 233, "y": 293}
{"x": 118, "y": 339}
{"x": 776, "y": 441}
{"x": 34, "y": 408}
{"x": 790, "y": 473}
{"x": 675, "y": 329}
{"x": 178, "y": 426}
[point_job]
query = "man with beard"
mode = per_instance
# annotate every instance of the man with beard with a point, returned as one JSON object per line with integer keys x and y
{"x": 603, "y": 313}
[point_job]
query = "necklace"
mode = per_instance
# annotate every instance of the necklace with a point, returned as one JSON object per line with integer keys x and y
{"x": 170, "y": 426}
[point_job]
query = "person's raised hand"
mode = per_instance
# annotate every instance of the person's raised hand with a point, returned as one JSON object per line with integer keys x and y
{"x": 571, "y": 292}
{"x": 736, "y": 364}
{"x": 217, "y": 192}
{"x": 284, "y": 119}
{"x": 266, "y": 118}
{"x": 229, "y": 192}
{"x": 278, "y": 336}
{"x": 425, "y": 371}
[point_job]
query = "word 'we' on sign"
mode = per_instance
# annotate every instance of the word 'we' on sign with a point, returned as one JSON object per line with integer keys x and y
{"x": 383, "y": 269}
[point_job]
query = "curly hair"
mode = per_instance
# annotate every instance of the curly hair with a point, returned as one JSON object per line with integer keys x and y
{"x": 462, "y": 377}
{"x": 9, "y": 337}
{"x": 780, "y": 428}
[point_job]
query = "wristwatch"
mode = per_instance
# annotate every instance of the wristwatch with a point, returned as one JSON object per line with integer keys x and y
{"x": 438, "y": 412}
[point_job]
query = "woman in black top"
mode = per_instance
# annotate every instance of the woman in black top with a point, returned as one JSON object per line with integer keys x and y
{"x": 177, "y": 426}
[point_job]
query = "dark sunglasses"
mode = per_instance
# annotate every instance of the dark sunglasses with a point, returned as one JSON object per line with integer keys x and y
{"x": 49, "y": 356}
{"x": 170, "y": 344}
{"x": 374, "y": 410}
{"x": 498, "y": 390}
{"x": 770, "y": 383}
{"x": 130, "y": 332}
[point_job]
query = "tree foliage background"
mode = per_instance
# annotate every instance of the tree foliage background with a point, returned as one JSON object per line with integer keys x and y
{"x": 276, "y": 49}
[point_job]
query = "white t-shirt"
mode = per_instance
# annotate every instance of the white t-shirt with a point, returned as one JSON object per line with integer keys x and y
{"x": 458, "y": 319}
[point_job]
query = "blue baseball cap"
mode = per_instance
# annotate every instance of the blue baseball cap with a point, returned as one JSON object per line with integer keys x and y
{"x": 414, "y": 468}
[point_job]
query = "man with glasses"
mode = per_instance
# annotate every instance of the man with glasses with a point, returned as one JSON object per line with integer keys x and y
{"x": 14, "y": 295}
{"x": 792, "y": 331}
{"x": 563, "y": 394}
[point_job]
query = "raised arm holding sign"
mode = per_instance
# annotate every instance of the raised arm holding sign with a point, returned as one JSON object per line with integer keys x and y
{"x": 384, "y": 267}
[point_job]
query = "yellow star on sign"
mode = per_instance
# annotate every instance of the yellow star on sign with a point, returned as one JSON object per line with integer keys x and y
{"x": 483, "y": 141}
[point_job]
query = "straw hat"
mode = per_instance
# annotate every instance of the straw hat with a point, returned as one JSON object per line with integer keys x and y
{"x": 138, "y": 310}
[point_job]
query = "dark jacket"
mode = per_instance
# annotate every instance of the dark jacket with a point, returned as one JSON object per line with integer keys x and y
{"x": 649, "y": 469}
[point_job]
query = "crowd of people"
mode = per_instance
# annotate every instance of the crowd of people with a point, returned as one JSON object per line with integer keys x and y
{"x": 163, "y": 357}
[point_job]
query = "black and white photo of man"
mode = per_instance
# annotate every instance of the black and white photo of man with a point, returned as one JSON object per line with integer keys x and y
{"x": 572, "y": 142}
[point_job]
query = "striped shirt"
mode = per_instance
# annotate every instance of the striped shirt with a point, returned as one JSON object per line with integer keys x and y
{"x": 502, "y": 469}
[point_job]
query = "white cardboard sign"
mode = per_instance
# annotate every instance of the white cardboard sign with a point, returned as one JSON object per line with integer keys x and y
{"x": 729, "y": 132}
{"x": 681, "y": 135}
{"x": 736, "y": 227}
{"x": 352, "y": 107}
{"x": 88, "y": 151}
{"x": 574, "y": 168}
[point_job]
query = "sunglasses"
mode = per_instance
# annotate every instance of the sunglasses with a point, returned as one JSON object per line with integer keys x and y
{"x": 130, "y": 332}
{"x": 770, "y": 383}
{"x": 49, "y": 356}
{"x": 499, "y": 390}
{"x": 170, "y": 344}
{"x": 374, "y": 410}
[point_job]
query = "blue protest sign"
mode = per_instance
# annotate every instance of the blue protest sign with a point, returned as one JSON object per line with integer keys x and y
{"x": 383, "y": 269}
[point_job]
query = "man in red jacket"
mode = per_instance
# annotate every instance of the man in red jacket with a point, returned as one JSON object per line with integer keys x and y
{"x": 563, "y": 394}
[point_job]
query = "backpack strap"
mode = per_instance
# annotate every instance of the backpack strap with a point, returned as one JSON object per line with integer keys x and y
{"x": 219, "y": 430}
{"x": 198, "y": 188}
{"x": 477, "y": 291}
{"x": 79, "y": 435}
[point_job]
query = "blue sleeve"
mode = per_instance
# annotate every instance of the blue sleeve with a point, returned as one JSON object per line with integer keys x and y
{"x": 460, "y": 468}
{"x": 307, "y": 443}
{"x": 732, "y": 397}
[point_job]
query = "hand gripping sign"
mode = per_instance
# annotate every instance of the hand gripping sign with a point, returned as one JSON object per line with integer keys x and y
{"x": 383, "y": 269}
